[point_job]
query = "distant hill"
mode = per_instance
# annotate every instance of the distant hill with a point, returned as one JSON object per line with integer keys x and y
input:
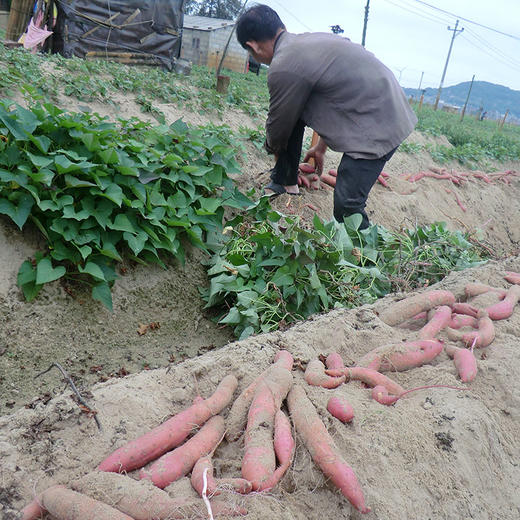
{"x": 495, "y": 99}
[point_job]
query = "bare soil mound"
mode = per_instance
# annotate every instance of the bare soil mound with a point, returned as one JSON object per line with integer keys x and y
{"x": 437, "y": 453}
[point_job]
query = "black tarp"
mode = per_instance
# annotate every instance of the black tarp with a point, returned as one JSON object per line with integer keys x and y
{"x": 148, "y": 28}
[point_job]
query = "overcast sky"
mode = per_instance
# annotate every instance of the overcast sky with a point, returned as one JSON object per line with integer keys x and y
{"x": 410, "y": 37}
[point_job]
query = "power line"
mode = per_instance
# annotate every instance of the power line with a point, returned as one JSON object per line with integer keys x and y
{"x": 494, "y": 56}
{"x": 422, "y": 14}
{"x": 467, "y": 20}
{"x": 291, "y": 14}
{"x": 493, "y": 48}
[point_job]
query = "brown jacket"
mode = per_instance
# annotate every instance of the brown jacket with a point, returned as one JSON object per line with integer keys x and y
{"x": 339, "y": 89}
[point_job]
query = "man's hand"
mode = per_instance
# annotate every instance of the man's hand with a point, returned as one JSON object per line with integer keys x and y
{"x": 317, "y": 152}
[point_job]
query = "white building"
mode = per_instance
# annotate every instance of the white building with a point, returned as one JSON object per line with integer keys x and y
{"x": 204, "y": 40}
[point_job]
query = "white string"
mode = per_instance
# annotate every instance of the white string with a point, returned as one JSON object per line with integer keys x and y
{"x": 204, "y": 494}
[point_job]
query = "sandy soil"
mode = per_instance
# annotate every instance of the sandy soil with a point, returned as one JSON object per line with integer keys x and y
{"x": 436, "y": 454}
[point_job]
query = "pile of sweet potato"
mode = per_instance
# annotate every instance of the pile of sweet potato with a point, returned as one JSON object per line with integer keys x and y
{"x": 185, "y": 443}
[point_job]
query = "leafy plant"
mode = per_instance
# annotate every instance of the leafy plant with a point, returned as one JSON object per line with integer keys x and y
{"x": 273, "y": 271}
{"x": 410, "y": 148}
{"x": 99, "y": 191}
{"x": 472, "y": 141}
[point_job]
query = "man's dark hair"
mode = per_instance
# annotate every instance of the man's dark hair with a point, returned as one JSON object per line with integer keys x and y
{"x": 258, "y": 23}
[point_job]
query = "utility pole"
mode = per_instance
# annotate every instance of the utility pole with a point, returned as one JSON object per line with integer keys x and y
{"x": 467, "y": 99}
{"x": 420, "y": 82}
{"x": 400, "y": 74}
{"x": 367, "y": 7}
{"x": 455, "y": 32}
{"x": 501, "y": 124}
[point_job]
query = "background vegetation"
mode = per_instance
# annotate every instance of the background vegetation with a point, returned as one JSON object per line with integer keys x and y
{"x": 102, "y": 191}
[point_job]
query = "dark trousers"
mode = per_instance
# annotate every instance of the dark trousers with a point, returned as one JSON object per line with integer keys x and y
{"x": 353, "y": 184}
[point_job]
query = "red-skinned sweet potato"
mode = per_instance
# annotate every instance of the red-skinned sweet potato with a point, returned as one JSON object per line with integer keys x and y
{"x": 504, "y": 309}
{"x": 405, "y": 309}
{"x": 401, "y": 356}
{"x": 214, "y": 486}
{"x": 462, "y": 320}
{"x": 315, "y": 375}
{"x": 135, "y": 454}
{"x": 237, "y": 417}
{"x": 439, "y": 321}
{"x": 259, "y": 461}
{"x": 283, "y": 448}
{"x": 339, "y": 407}
{"x": 512, "y": 277}
{"x": 480, "y": 338}
{"x": 465, "y": 362}
{"x": 306, "y": 168}
{"x": 322, "y": 448}
{"x": 370, "y": 378}
{"x": 141, "y": 500}
{"x": 65, "y": 504}
{"x": 465, "y": 309}
{"x": 476, "y": 289}
{"x": 334, "y": 360}
{"x": 179, "y": 462}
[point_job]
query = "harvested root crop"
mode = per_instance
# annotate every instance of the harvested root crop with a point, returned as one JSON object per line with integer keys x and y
{"x": 179, "y": 462}
{"x": 405, "y": 309}
{"x": 171, "y": 433}
{"x": 237, "y": 417}
{"x": 315, "y": 375}
{"x": 322, "y": 448}
{"x": 401, "y": 356}
{"x": 464, "y": 361}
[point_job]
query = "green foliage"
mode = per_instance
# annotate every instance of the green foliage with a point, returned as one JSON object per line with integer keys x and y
{"x": 410, "y": 148}
{"x": 99, "y": 191}
{"x": 472, "y": 141}
{"x": 45, "y": 77}
{"x": 255, "y": 135}
{"x": 273, "y": 271}
{"x": 226, "y": 9}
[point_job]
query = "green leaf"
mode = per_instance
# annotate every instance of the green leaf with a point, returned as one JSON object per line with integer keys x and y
{"x": 44, "y": 176}
{"x": 64, "y": 165}
{"x": 246, "y": 333}
{"x": 178, "y": 200}
{"x": 232, "y": 317}
{"x": 84, "y": 251}
{"x": 70, "y": 212}
{"x": 20, "y": 212}
{"x": 42, "y": 142}
{"x": 280, "y": 278}
{"x": 136, "y": 242}
{"x": 353, "y": 221}
{"x": 197, "y": 171}
{"x": 121, "y": 223}
{"x": 113, "y": 192}
{"x": 93, "y": 270}
{"x": 27, "y": 281}
{"x": 210, "y": 205}
{"x": 102, "y": 293}
{"x": 26, "y": 273}
{"x": 40, "y": 161}
{"x": 313, "y": 278}
{"x": 109, "y": 156}
{"x": 45, "y": 273}
{"x": 13, "y": 125}
{"x": 179, "y": 127}
{"x": 74, "y": 182}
